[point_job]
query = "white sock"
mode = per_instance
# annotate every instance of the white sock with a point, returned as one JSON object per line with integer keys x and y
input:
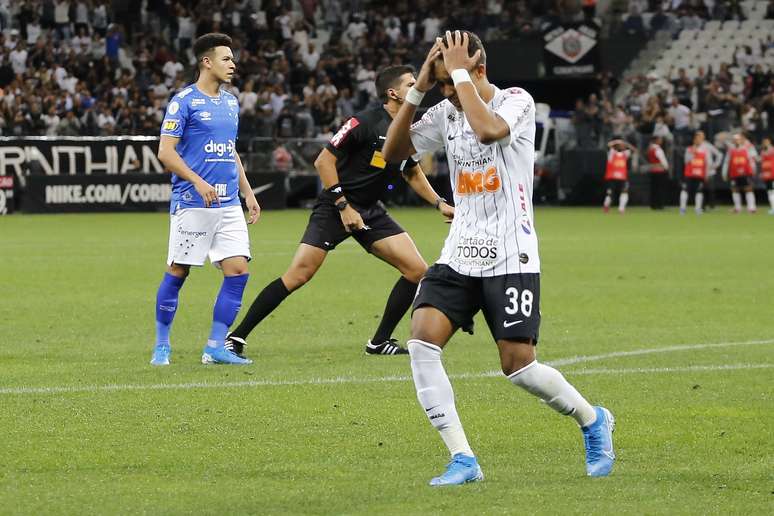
{"x": 699, "y": 201}
{"x": 737, "y": 197}
{"x": 622, "y": 200}
{"x": 435, "y": 394}
{"x": 608, "y": 201}
{"x": 549, "y": 385}
{"x": 750, "y": 197}
{"x": 683, "y": 200}
{"x": 771, "y": 198}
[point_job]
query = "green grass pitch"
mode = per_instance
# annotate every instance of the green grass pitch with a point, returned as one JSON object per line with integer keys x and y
{"x": 666, "y": 320}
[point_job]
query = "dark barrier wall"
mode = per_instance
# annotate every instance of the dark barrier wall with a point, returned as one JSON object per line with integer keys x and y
{"x": 78, "y": 155}
{"x": 128, "y": 192}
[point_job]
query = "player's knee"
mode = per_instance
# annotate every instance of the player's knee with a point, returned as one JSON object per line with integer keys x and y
{"x": 416, "y": 272}
{"x": 516, "y": 358}
{"x": 297, "y": 277}
{"x": 179, "y": 271}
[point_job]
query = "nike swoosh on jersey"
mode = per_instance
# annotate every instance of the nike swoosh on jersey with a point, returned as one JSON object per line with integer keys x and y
{"x": 262, "y": 188}
{"x": 508, "y": 324}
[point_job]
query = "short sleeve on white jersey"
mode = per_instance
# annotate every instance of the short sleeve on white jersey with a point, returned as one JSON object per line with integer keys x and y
{"x": 428, "y": 133}
{"x": 518, "y": 111}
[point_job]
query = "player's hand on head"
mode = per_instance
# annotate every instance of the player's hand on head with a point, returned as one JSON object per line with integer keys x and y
{"x": 208, "y": 193}
{"x": 253, "y": 210}
{"x": 351, "y": 219}
{"x": 425, "y": 78}
{"x": 455, "y": 51}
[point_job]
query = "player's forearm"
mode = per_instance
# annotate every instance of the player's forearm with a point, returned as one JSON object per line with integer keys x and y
{"x": 482, "y": 120}
{"x": 397, "y": 145}
{"x": 244, "y": 184}
{"x": 418, "y": 182}
{"x": 175, "y": 164}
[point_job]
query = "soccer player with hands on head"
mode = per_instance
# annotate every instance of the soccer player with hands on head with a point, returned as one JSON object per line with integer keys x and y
{"x": 617, "y": 173}
{"x": 198, "y": 145}
{"x": 355, "y": 177}
{"x": 490, "y": 260}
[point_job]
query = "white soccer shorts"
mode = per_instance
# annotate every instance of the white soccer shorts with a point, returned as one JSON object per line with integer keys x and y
{"x": 196, "y": 234}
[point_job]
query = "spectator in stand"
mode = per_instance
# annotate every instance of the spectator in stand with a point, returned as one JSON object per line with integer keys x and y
{"x": 327, "y": 89}
{"x": 52, "y": 120}
{"x": 681, "y": 120}
{"x": 770, "y": 10}
{"x": 634, "y": 24}
{"x": 582, "y": 125}
{"x": 69, "y": 125}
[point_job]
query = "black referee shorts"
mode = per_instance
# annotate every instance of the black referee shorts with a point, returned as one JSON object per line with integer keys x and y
{"x": 325, "y": 229}
{"x": 510, "y": 302}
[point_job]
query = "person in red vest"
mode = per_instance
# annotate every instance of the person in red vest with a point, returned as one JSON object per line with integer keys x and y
{"x": 767, "y": 170}
{"x": 739, "y": 169}
{"x": 658, "y": 168}
{"x": 701, "y": 158}
{"x": 617, "y": 173}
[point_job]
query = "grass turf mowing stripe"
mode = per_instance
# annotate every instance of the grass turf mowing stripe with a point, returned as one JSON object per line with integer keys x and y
{"x": 401, "y": 378}
{"x": 352, "y": 380}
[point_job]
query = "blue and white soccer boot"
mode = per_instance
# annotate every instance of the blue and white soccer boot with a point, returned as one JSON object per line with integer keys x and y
{"x": 461, "y": 470}
{"x": 161, "y": 354}
{"x": 221, "y": 355}
{"x": 598, "y": 439}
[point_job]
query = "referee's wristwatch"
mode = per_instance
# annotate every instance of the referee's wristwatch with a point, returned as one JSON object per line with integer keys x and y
{"x": 342, "y": 205}
{"x": 438, "y": 203}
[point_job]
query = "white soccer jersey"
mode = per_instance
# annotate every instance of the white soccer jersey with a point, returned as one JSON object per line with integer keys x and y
{"x": 493, "y": 232}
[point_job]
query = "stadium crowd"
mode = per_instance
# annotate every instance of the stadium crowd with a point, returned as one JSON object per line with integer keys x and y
{"x": 733, "y": 95}
{"x": 96, "y": 67}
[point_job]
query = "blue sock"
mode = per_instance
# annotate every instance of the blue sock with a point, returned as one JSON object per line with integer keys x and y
{"x": 227, "y": 307}
{"x": 166, "y": 306}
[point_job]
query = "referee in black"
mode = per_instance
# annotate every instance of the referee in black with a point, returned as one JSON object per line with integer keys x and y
{"x": 355, "y": 177}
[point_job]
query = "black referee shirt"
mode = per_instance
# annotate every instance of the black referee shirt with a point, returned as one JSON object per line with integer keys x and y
{"x": 363, "y": 173}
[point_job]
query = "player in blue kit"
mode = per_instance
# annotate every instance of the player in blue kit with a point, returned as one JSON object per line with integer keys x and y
{"x": 198, "y": 145}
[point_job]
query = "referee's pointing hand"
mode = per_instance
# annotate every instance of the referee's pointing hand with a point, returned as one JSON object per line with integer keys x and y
{"x": 351, "y": 219}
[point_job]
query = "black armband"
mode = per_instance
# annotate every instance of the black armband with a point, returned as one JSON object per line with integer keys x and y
{"x": 336, "y": 190}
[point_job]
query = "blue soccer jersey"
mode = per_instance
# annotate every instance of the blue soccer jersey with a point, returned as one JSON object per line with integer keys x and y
{"x": 207, "y": 128}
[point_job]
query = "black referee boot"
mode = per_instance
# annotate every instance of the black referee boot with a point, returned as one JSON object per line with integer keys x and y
{"x": 388, "y": 347}
{"x": 236, "y": 345}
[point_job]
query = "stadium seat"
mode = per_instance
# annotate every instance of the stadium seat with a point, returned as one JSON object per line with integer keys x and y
{"x": 688, "y": 34}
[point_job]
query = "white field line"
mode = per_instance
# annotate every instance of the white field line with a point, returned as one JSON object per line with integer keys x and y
{"x": 404, "y": 378}
{"x": 651, "y": 351}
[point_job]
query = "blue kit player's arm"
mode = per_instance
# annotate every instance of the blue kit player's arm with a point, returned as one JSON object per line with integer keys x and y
{"x": 253, "y": 208}
{"x": 174, "y": 163}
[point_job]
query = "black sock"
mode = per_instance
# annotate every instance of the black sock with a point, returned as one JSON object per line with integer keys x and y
{"x": 270, "y": 297}
{"x": 397, "y": 304}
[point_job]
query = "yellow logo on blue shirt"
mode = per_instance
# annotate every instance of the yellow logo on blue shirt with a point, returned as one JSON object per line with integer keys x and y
{"x": 170, "y": 125}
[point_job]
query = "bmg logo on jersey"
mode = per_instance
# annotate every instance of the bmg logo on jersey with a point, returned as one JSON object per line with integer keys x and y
{"x": 211, "y": 147}
{"x": 477, "y": 182}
